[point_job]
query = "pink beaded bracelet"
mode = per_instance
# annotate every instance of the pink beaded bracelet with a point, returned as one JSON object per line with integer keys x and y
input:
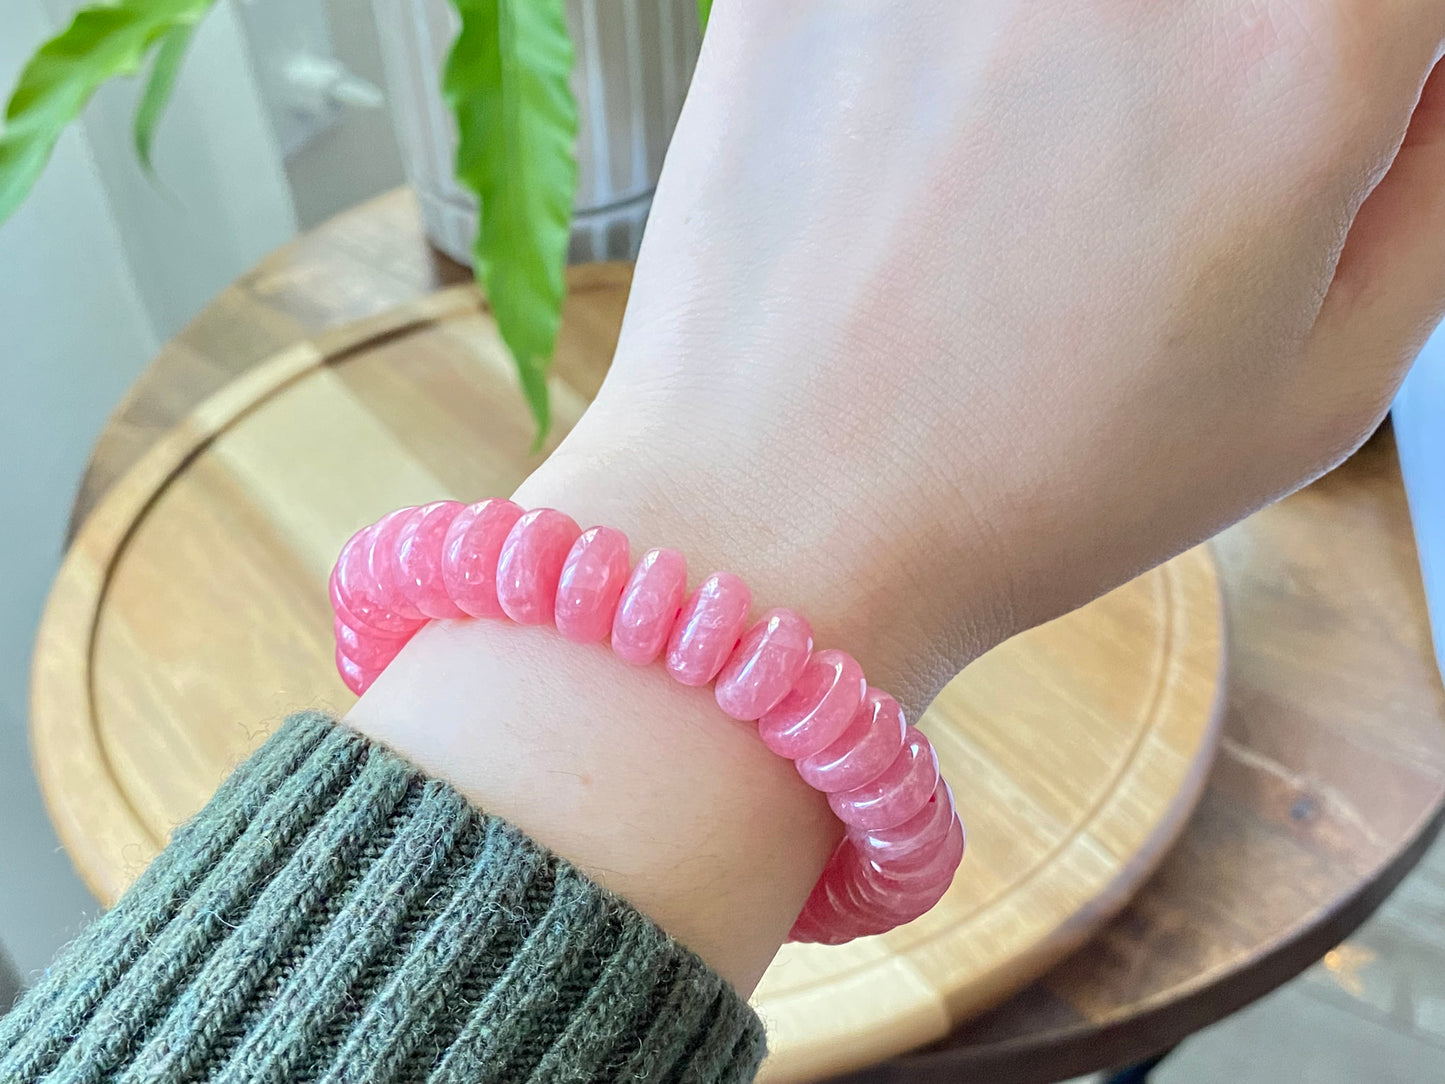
{"x": 849, "y": 740}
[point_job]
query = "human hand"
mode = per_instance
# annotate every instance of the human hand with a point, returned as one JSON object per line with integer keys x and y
{"x": 949, "y": 317}
{"x": 952, "y": 316}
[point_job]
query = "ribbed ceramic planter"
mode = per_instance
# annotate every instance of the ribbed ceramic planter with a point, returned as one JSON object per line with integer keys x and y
{"x": 634, "y": 59}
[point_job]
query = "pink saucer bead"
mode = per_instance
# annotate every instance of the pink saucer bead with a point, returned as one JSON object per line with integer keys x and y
{"x": 870, "y": 743}
{"x": 895, "y": 904}
{"x": 765, "y": 665}
{"x": 354, "y": 677}
{"x": 928, "y": 867}
{"x": 355, "y": 594}
{"x": 470, "y": 551}
{"x": 708, "y": 628}
{"x": 898, "y": 793}
{"x": 817, "y": 709}
{"x": 419, "y": 559}
{"x": 531, "y": 562}
{"x": 383, "y": 567}
{"x": 591, "y": 582}
{"x": 372, "y": 651}
{"x": 919, "y": 834}
{"x": 649, "y": 606}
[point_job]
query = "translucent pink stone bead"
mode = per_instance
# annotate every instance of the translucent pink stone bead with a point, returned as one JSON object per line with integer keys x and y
{"x": 828, "y": 918}
{"x": 531, "y": 564}
{"x": 383, "y": 569}
{"x": 419, "y": 559}
{"x": 869, "y": 744}
{"x": 901, "y": 844}
{"x": 708, "y": 628}
{"x": 765, "y": 665}
{"x": 860, "y": 911}
{"x": 343, "y": 612}
{"x": 818, "y": 708}
{"x": 901, "y": 791}
{"x": 356, "y": 596}
{"x": 371, "y": 650}
{"x": 470, "y": 551}
{"x": 591, "y": 583}
{"x": 879, "y": 898}
{"x": 355, "y": 678}
{"x": 649, "y": 606}
{"x": 929, "y": 866}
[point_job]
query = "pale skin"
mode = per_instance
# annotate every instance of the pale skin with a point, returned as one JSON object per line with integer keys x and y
{"x": 949, "y": 317}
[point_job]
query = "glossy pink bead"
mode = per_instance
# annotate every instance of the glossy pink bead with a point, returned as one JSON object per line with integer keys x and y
{"x": 354, "y": 677}
{"x": 816, "y": 920}
{"x": 531, "y": 562}
{"x": 649, "y": 606}
{"x": 339, "y": 607}
{"x": 591, "y": 582}
{"x": 898, "y": 793}
{"x": 863, "y": 911}
{"x": 765, "y": 665}
{"x": 903, "y": 843}
{"x": 708, "y": 628}
{"x": 870, "y": 743}
{"x": 818, "y": 708}
{"x": 929, "y": 867}
{"x": 826, "y": 919}
{"x": 470, "y": 551}
{"x": 369, "y": 649}
{"x": 383, "y": 567}
{"x": 893, "y": 904}
{"x": 357, "y": 597}
{"x": 419, "y": 559}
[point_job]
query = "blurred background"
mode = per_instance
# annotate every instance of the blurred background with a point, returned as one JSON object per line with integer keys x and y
{"x": 101, "y": 265}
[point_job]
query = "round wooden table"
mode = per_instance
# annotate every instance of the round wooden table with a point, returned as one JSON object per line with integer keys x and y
{"x": 1330, "y": 779}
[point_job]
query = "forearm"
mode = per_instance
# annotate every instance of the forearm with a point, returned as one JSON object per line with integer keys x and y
{"x": 641, "y": 782}
{"x": 334, "y": 915}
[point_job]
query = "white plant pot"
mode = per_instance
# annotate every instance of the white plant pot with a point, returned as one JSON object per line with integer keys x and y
{"x": 634, "y": 60}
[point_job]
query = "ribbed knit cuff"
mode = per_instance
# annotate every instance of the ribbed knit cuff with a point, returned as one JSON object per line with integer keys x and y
{"x": 334, "y": 915}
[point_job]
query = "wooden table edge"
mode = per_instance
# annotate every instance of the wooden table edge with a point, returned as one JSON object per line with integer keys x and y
{"x": 1091, "y": 1046}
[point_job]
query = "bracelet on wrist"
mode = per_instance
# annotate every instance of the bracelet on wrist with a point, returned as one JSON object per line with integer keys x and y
{"x": 446, "y": 560}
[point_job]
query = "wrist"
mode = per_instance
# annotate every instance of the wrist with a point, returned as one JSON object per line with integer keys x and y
{"x": 913, "y": 587}
{"x": 642, "y": 783}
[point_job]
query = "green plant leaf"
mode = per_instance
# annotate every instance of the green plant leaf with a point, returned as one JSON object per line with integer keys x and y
{"x": 704, "y": 10}
{"x": 506, "y": 80}
{"x": 164, "y": 69}
{"x": 100, "y": 42}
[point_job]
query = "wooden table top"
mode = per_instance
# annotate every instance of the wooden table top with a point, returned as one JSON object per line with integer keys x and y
{"x": 1330, "y": 780}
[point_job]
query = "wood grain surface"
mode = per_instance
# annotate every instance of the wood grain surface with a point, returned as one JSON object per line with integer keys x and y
{"x": 1077, "y": 749}
{"x": 1329, "y": 783}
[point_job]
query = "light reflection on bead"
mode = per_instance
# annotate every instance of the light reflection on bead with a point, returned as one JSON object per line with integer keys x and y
{"x": 898, "y": 845}
{"x": 469, "y": 555}
{"x": 871, "y": 742}
{"x": 765, "y": 665}
{"x": 898, "y": 793}
{"x": 531, "y": 564}
{"x": 708, "y": 628}
{"x": 419, "y": 560}
{"x": 817, "y": 710}
{"x": 591, "y": 582}
{"x": 649, "y": 606}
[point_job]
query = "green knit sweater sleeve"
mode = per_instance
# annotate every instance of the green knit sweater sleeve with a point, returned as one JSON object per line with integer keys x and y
{"x": 335, "y": 916}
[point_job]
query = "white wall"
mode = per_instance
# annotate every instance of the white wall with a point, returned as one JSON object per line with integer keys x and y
{"x": 96, "y": 269}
